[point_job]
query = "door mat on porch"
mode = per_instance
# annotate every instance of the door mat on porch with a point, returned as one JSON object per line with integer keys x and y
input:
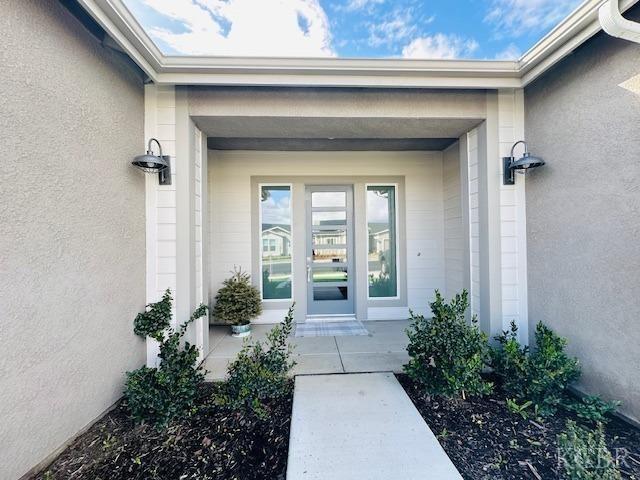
{"x": 330, "y": 329}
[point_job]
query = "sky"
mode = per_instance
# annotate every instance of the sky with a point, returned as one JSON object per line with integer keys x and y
{"x": 427, "y": 29}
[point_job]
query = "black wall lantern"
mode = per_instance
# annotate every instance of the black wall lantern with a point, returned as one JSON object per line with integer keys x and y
{"x": 150, "y": 163}
{"x": 510, "y": 165}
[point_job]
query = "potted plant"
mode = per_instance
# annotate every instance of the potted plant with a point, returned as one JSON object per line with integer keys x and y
{"x": 237, "y": 303}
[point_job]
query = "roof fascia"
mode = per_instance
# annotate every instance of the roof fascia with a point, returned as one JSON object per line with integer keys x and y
{"x": 120, "y": 24}
{"x": 580, "y": 25}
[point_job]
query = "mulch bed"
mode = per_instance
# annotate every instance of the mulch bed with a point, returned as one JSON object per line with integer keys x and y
{"x": 213, "y": 443}
{"x": 486, "y": 441}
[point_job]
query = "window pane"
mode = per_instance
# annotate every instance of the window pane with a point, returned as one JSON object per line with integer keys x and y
{"x": 329, "y": 274}
{"x": 322, "y": 238}
{"x": 330, "y": 255}
{"x": 330, "y": 293}
{"x": 275, "y": 206}
{"x": 381, "y": 224}
{"x": 329, "y": 218}
{"x": 328, "y": 199}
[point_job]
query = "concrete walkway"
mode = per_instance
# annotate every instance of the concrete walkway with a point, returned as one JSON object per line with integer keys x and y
{"x": 361, "y": 426}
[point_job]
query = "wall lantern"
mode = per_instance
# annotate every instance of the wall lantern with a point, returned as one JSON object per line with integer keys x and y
{"x": 522, "y": 165}
{"x": 150, "y": 163}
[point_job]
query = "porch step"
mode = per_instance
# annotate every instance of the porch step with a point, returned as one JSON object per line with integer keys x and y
{"x": 361, "y": 426}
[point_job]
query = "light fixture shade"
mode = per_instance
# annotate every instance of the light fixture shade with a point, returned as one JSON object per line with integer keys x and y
{"x": 510, "y": 165}
{"x": 526, "y": 162}
{"x": 150, "y": 163}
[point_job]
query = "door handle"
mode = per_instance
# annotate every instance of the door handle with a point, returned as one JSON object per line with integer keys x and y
{"x": 308, "y": 269}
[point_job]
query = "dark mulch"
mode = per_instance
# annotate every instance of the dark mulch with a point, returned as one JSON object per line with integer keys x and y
{"x": 486, "y": 441}
{"x": 211, "y": 444}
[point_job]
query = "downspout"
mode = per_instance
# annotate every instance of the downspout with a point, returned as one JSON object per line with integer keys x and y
{"x": 615, "y": 24}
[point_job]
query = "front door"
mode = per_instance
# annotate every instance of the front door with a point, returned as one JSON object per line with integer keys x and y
{"x": 330, "y": 273}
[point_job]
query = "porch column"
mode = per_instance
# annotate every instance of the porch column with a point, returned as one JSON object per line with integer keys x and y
{"x": 513, "y": 226}
{"x": 175, "y": 213}
{"x": 498, "y": 227}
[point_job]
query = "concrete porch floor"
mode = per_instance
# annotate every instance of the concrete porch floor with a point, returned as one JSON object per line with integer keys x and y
{"x": 383, "y": 350}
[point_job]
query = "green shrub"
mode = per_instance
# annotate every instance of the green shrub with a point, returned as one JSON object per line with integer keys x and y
{"x": 525, "y": 409}
{"x": 237, "y": 302}
{"x": 540, "y": 376}
{"x": 259, "y": 373}
{"x": 584, "y": 454}
{"x": 159, "y": 395}
{"x": 447, "y": 353}
{"x": 591, "y": 408}
{"x": 156, "y": 319}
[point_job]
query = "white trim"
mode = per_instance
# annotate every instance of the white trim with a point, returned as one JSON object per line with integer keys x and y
{"x": 579, "y": 26}
{"x": 120, "y": 24}
{"x": 151, "y": 216}
{"x": 292, "y": 297}
{"x": 397, "y": 240}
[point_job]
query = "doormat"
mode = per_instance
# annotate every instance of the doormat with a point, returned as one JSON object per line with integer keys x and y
{"x": 330, "y": 329}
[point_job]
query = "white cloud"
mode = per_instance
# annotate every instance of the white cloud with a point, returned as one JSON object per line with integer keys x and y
{"x": 277, "y": 210}
{"x": 515, "y": 18}
{"x": 361, "y": 4}
{"x": 440, "y": 46}
{"x": 397, "y": 28}
{"x": 511, "y": 52}
{"x": 244, "y": 27}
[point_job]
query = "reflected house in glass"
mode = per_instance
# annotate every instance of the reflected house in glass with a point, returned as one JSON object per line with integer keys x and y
{"x": 276, "y": 241}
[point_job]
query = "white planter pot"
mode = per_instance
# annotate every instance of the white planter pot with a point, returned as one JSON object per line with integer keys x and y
{"x": 241, "y": 330}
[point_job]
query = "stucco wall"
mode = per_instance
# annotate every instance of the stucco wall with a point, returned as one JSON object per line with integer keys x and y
{"x": 583, "y": 212}
{"x": 230, "y": 210}
{"x": 72, "y": 248}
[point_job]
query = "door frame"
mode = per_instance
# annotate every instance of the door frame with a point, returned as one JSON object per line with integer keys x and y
{"x": 332, "y": 308}
{"x": 274, "y": 312}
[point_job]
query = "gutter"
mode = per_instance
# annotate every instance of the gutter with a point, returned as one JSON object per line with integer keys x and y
{"x": 615, "y": 24}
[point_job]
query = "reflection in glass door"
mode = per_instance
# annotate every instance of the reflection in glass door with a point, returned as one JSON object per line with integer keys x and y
{"x": 330, "y": 276}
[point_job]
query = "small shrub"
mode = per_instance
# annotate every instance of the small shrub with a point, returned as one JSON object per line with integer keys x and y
{"x": 447, "y": 354}
{"x": 237, "y": 302}
{"x": 524, "y": 409}
{"x": 158, "y": 395}
{"x": 259, "y": 373}
{"x": 156, "y": 319}
{"x": 591, "y": 408}
{"x": 541, "y": 376}
{"x": 584, "y": 454}
{"x": 510, "y": 362}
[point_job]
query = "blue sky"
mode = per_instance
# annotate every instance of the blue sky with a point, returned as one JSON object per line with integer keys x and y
{"x": 478, "y": 29}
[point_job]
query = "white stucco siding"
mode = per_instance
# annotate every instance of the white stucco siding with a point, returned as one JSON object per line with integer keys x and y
{"x": 231, "y": 199}
{"x": 72, "y": 247}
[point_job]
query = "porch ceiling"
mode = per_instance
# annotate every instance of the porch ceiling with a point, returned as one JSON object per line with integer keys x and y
{"x": 332, "y": 133}
{"x": 329, "y": 145}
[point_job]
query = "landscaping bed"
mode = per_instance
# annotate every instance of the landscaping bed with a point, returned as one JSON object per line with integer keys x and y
{"x": 487, "y": 441}
{"x": 212, "y": 443}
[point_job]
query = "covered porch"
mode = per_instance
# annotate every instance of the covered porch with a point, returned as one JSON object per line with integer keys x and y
{"x": 355, "y": 204}
{"x": 383, "y": 349}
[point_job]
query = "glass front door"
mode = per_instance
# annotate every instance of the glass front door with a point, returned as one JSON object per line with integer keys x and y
{"x": 330, "y": 273}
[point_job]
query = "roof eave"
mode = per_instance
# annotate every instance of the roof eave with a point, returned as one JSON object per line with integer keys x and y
{"x": 120, "y": 24}
{"x": 573, "y": 31}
